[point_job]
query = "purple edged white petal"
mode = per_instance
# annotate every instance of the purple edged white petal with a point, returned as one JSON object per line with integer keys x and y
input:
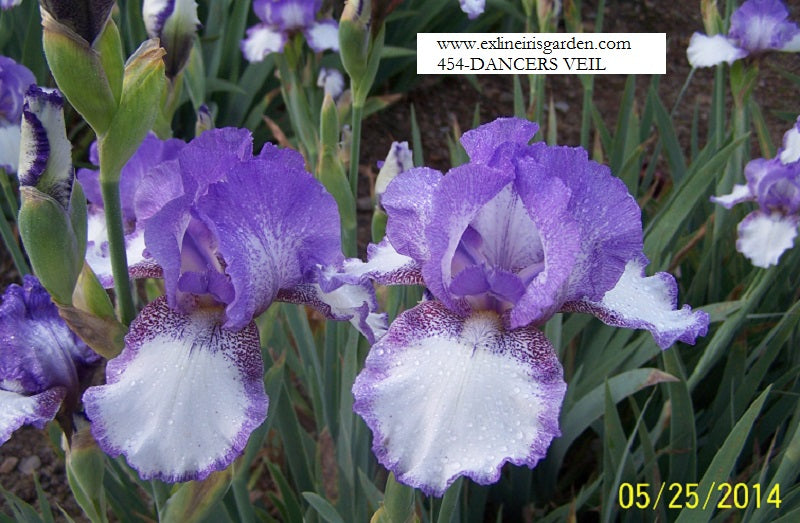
{"x": 764, "y": 237}
{"x": 353, "y": 303}
{"x": 323, "y": 35}
{"x": 708, "y": 51}
{"x": 18, "y": 409}
{"x": 641, "y": 302}
{"x": 384, "y": 265}
{"x": 739, "y": 194}
{"x": 446, "y": 397}
{"x": 183, "y": 397}
{"x": 262, "y": 40}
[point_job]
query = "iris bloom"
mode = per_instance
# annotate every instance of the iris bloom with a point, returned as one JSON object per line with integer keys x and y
{"x": 174, "y": 23}
{"x": 14, "y": 81}
{"x": 42, "y": 362}
{"x": 473, "y": 8}
{"x": 231, "y": 233}
{"x": 151, "y": 153}
{"x": 774, "y": 184}
{"x": 466, "y": 382}
{"x": 756, "y": 26}
{"x": 8, "y": 4}
{"x": 281, "y": 18}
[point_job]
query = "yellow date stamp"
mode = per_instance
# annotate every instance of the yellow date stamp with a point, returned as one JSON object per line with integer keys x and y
{"x": 722, "y": 496}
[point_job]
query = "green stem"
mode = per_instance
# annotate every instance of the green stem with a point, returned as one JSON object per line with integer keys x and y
{"x": 355, "y": 147}
{"x": 116, "y": 248}
{"x": 13, "y": 247}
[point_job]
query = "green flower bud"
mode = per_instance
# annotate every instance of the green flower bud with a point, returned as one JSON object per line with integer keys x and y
{"x": 84, "y": 52}
{"x": 143, "y": 90}
{"x": 52, "y": 218}
{"x": 85, "y": 469}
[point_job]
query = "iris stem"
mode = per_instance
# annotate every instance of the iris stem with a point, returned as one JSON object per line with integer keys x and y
{"x": 355, "y": 147}
{"x": 116, "y": 248}
{"x": 7, "y": 233}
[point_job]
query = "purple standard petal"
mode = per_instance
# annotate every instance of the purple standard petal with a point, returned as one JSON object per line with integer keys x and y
{"x": 152, "y": 152}
{"x": 198, "y": 391}
{"x": 641, "y": 302}
{"x": 482, "y": 143}
{"x": 760, "y": 25}
{"x": 446, "y": 397}
{"x": 287, "y": 15}
{"x": 275, "y": 223}
{"x": 608, "y": 216}
{"x": 14, "y": 81}
{"x": 408, "y": 201}
{"x": 764, "y": 237}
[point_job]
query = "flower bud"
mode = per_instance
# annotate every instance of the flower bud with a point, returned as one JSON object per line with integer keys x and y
{"x": 204, "y": 120}
{"x": 52, "y": 219}
{"x": 142, "y": 93}
{"x": 330, "y": 170}
{"x": 84, "y": 52}
{"x": 175, "y": 23}
{"x": 85, "y": 468}
{"x": 354, "y": 37}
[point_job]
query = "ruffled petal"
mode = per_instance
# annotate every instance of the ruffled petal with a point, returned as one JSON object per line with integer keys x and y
{"x": 262, "y": 40}
{"x": 482, "y": 143}
{"x": 275, "y": 224}
{"x": 708, "y": 51}
{"x": 323, "y": 35}
{"x": 353, "y": 303}
{"x": 181, "y": 400}
{"x": 608, "y": 217}
{"x": 408, "y": 201}
{"x": 448, "y": 397}
{"x": 760, "y": 25}
{"x": 641, "y": 302}
{"x": 764, "y": 237}
{"x": 384, "y": 265}
{"x": 17, "y": 410}
{"x": 739, "y": 194}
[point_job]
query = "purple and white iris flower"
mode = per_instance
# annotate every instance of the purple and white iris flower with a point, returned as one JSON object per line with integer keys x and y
{"x": 150, "y": 154}
{"x": 756, "y": 26}
{"x": 280, "y": 19}
{"x": 466, "y": 382}
{"x": 332, "y": 81}
{"x": 42, "y": 363}
{"x": 765, "y": 234}
{"x": 473, "y": 8}
{"x": 232, "y": 233}
{"x": 174, "y": 23}
{"x": 14, "y": 81}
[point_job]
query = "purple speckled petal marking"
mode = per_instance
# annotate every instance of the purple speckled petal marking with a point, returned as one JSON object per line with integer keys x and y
{"x": 198, "y": 390}
{"x": 447, "y": 396}
{"x": 641, "y": 302}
